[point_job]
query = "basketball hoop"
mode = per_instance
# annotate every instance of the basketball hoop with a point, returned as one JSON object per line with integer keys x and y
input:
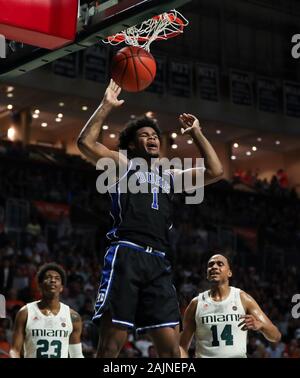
{"x": 164, "y": 26}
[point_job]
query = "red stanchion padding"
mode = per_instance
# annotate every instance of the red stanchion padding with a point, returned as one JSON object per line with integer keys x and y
{"x": 44, "y": 23}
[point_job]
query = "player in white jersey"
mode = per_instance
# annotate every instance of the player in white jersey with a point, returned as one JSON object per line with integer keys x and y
{"x": 47, "y": 328}
{"x": 220, "y": 317}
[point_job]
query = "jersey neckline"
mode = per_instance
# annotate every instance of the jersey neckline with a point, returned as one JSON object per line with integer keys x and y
{"x": 48, "y": 316}
{"x": 209, "y": 298}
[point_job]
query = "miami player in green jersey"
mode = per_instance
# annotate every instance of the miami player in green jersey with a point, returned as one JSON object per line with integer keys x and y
{"x": 47, "y": 328}
{"x": 220, "y": 317}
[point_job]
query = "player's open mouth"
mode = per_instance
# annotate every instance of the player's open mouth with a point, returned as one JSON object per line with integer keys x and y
{"x": 152, "y": 146}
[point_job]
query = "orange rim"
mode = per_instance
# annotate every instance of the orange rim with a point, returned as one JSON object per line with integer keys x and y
{"x": 177, "y": 20}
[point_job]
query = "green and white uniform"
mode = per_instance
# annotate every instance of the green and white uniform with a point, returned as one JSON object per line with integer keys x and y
{"x": 217, "y": 332}
{"x": 47, "y": 336}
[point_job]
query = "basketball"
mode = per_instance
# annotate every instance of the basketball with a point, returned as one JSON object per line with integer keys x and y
{"x": 133, "y": 69}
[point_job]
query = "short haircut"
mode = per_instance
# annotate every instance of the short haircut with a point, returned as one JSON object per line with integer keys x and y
{"x": 229, "y": 262}
{"x": 51, "y": 266}
{"x": 128, "y": 134}
{"x": 226, "y": 257}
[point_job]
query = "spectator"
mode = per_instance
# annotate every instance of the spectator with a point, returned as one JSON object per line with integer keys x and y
{"x": 292, "y": 349}
{"x": 12, "y": 300}
{"x": 152, "y": 352}
{"x": 142, "y": 344}
{"x": 21, "y": 279}
{"x": 6, "y": 275}
{"x": 33, "y": 228}
{"x": 282, "y": 178}
{"x": 275, "y": 350}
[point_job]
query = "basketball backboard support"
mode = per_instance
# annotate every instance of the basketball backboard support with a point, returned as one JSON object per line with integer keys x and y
{"x": 94, "y": 24}
{"x": 2, "y": 47}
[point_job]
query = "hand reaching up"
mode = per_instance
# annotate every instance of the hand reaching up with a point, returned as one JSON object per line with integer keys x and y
{"x": 111, "y": 95}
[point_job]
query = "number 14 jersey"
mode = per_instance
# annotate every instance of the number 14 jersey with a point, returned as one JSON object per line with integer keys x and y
{"x": 217, "y": 332}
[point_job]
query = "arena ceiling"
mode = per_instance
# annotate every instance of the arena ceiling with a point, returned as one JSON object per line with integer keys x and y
{"x": 74, "y": 118}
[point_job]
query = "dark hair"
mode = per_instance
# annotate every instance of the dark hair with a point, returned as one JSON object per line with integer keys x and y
{"x": 229, "y": 262}
{"x": 129, "y": 132}
{"x": 226, "y": 257}
{"x": 51, "y": 266}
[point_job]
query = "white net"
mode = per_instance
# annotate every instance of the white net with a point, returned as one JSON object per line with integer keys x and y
{"x": 162, "y": 27}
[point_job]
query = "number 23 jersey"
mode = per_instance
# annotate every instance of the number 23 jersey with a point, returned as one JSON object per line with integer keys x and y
{"x": 47, "y": 336}
{"x": 217, "y": 332}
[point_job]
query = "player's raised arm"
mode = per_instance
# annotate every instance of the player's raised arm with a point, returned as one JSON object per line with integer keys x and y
{"x": 75, "y": 347}
{"x": 18, "y": 333}
{"x": 256, "y": 320}
{"x": 213, "y": 167}
{"x": 87, "y": 141}
{"x": 189, "y": 328}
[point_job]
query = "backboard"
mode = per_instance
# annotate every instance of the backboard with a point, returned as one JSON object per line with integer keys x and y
{"x": 96, "y": 20}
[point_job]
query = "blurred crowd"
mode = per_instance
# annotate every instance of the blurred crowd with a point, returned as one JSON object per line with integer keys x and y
{"x": 259, "y": 231}
{"x": 277, "y": 186}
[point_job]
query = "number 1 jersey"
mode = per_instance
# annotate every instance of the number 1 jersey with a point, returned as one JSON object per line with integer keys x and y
{"x": 144, "y": 217}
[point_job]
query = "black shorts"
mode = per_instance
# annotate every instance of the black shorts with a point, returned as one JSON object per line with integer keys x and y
{"x": 136, "y": 288}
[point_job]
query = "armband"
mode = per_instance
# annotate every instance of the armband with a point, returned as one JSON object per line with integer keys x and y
{"x": 75, "y": 351}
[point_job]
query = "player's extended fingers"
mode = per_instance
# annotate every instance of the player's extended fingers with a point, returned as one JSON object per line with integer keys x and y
{"x": 247, "y": 322}
{"x": 111, "y": 84}
{"x": 250, "y": 325}
{"x": 185, "y": 117}
{"x": 114, "y": 85}
{"x": 188, "y": 115}
{"x": 191, "y": 117}
{"x": 118, "y": 90}
{"x": 246, "y": 317}
{"x": 249, "y": 319}
{"x": 186, "y": 120}
{"x": 183, "y": 122}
